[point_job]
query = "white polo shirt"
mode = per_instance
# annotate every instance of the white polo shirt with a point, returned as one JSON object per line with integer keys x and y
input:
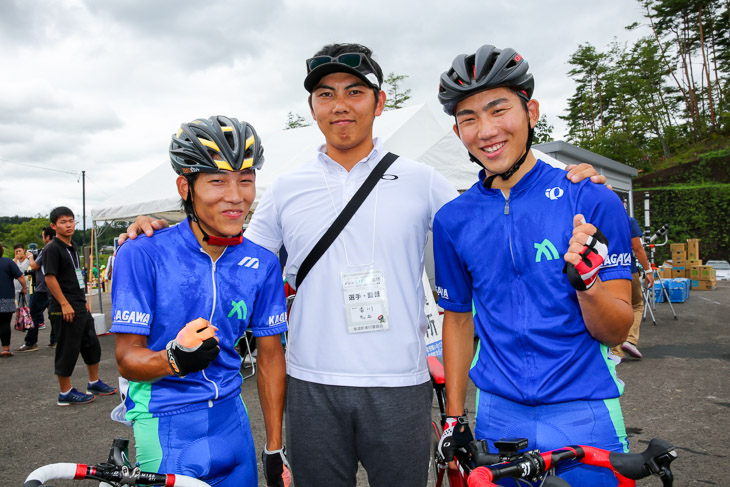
{"x": 387, "y": 233}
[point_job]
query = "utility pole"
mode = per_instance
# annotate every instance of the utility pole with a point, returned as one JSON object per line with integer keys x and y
{"x": 83, "y": 200}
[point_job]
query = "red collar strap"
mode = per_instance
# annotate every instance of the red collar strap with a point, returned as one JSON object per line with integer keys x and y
{"x": 224, "y": 242}
{"x": 219, "y": 241}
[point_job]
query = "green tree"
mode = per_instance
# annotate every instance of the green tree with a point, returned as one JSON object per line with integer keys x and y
{"x": 693, "y": 40}
{"x": 543, "y": 131}
{"x": 26, "y": 232}
{"x": 397, "y": 96}
{"x": 294, "y": 120}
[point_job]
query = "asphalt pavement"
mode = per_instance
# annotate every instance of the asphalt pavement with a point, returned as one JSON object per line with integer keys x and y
{"x": 679, "y": 391}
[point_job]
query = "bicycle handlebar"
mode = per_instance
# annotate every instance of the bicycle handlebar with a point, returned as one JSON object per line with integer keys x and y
{"x": 627, "y": 467}
{"x": 107, "y": 473}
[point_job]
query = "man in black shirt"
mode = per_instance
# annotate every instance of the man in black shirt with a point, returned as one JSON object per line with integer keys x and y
{"x": 70, "y": 313}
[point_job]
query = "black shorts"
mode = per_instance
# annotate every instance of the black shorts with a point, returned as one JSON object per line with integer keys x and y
{"x": 78, "y": 336}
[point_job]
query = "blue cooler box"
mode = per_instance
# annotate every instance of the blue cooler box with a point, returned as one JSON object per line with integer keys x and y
{"x": 677, "y": 288}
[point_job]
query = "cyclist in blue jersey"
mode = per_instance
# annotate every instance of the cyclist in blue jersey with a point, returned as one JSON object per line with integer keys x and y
{"x": 546, "y": 265}
{"x": 180, "y": 303}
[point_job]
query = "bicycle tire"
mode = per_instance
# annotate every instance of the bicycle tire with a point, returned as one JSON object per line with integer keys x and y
{"x": 435, "y": 475}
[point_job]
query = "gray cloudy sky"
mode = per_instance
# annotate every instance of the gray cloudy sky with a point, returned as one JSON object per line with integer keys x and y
{"x": 99, "y": 85}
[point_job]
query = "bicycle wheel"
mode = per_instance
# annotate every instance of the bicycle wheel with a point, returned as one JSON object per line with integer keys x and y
{"x": 435, "y": 474}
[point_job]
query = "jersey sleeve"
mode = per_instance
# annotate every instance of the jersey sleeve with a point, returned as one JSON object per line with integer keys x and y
{"x": 442, "y": 191}
{"x": 269, "y": 311}
{"x": 133, "y": 296}
{"x": 603, "y": 208}
{"x": 453, "y": 281}
{"x": 264, "y": 229}
{"x": 635, "y": 228}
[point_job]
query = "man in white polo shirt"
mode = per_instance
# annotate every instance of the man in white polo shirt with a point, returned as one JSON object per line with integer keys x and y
{"x": 357, "y": 389}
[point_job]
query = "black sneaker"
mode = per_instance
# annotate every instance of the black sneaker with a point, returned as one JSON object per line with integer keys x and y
{"x": 74, "y": 397}
{"x": 27, "y": 348}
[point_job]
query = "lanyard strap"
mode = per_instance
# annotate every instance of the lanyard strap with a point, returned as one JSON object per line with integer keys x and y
{"x": 344, "y": 217}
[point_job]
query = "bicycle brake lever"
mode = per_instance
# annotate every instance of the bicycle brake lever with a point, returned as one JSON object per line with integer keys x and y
{"x": 666, "y": 476}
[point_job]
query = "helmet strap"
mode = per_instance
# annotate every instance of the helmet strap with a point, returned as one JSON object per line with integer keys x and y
{"x": 516, "y": 166}
{"x": 211, "y": 239}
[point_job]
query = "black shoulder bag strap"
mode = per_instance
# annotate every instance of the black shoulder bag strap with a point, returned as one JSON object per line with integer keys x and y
{"x": 344, "y": 217}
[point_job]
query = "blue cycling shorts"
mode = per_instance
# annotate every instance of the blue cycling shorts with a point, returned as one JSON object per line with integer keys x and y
{"x": 596, "y": 423}
{"x": 213, "y": 444}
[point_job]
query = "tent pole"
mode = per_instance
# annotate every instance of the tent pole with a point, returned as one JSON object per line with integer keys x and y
{"x": 96, "y": 252}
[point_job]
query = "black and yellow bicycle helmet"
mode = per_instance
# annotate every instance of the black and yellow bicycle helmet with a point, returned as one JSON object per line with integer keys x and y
{"x": 193, "y": 147}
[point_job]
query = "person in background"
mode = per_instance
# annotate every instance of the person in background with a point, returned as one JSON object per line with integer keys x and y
{"x": 9, "y": 274}
{"x": 102, "y": 278}
{"x": 39, "y": 298}
{"x": 630, "y": 345}
{"x": 22, "y": 262}
{"x": 70, "y": 313}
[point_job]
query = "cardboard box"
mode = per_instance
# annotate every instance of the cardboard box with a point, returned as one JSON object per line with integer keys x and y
{"x": 679, "y": 272}
{"x": 677, "y": 247}
{"x": 665, "y": 272}
{"x": 679, "y": 256}
{"x": 704, "y": 285}
{"x": 707, "y": 272}
{"x": 693, "y": 249}
{"x": 704, "y": 272}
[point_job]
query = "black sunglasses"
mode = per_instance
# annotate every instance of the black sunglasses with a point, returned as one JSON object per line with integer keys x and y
{"x": 354, "y": 60}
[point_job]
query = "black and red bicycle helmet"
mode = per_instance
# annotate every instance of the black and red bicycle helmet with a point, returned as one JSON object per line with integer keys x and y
{"x": 486, "y": 69}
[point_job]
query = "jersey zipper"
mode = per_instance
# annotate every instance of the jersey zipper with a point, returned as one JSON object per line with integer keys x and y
{"x": 518, "y": 295}
{"x": 509, "y": 230}
{"x": 212, "y": 312}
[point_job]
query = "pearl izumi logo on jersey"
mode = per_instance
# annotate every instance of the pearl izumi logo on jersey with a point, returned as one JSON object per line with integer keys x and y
{"x": 239, "y": 308}
{"x": 554, "y": 193}
{"x": 547, "y": 249}
{"x": 251, "y": 262}
{"x": 132, "y": 317}
{"x": 615, "y": 260}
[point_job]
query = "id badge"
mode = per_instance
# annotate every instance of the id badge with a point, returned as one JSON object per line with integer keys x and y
{"x": 366, "y": 306}
{"x": 80, "y": 278}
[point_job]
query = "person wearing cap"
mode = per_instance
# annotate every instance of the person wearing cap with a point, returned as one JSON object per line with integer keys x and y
{"x": 180, "y": 303}
{"x": 355, "y": 393}
{"x": 546, "y": 265}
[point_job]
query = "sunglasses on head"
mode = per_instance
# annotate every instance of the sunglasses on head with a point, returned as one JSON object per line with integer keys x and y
{"x": 354, "y": 60}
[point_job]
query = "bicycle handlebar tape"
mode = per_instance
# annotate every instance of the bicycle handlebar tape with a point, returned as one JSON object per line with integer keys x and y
{"x": 594, "y": 253}
{"x": 184, "y": 360}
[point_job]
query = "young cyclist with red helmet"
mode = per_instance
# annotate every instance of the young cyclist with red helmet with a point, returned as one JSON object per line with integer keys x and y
{"x": 180, "y": 303}
{"x": 546, "y": 265}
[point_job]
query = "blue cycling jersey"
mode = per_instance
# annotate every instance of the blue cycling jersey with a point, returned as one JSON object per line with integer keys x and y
{"x": 162, "y": 283}
{"x": 507, "y": 256}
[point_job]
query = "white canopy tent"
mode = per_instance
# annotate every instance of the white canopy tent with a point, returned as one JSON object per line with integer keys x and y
{"x": 415, "y": 132}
